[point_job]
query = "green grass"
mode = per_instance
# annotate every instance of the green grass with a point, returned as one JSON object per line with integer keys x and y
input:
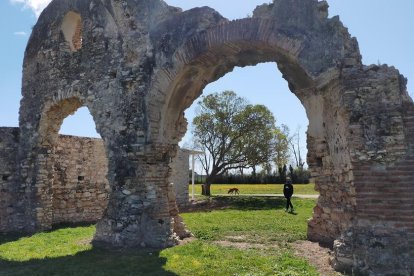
{"x": 200, "y": 258}
{"x": 259, "y": 220}
{"x": 65, "y": 242}
{"x": 304, "y": 189}
{"x": 255, "y": 220}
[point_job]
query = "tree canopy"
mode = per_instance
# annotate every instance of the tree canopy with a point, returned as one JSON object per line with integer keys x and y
{"x": 234, "y": 134}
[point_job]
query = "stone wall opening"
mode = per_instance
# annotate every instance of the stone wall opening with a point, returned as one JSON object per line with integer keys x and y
{"x": 256, "y": 96}
{"x": 260, "y": 84}
{"x": 327, "y": 127}
{"x": 72, "y": 30}
{"x": 327, "y": 229}
{"x": 77, "y": 171}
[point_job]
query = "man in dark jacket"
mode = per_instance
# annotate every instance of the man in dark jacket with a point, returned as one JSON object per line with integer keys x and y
{"x": 288, "y": 192}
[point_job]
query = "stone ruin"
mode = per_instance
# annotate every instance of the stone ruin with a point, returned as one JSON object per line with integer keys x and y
{"x": 138, "y": 64}
{"x": 80, "y": 189}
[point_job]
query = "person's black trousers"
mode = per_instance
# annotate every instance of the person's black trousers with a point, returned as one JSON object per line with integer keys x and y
{"x": 288, "y": 203}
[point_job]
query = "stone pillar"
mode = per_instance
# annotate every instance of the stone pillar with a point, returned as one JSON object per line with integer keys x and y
{"x": 140, "y": 212}
{"x": 329, "y": 162}
{"x": 380, "y": 240}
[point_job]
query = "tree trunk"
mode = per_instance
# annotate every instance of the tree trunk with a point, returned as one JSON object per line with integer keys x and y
{"x": 205, "y": 189}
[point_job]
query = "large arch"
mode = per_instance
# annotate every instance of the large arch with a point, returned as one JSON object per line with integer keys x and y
{"x": 207, "y": 56}
{"x": 138, "y": 64}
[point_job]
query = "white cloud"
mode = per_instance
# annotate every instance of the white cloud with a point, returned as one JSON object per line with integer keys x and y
{"x": 20, "y": 33}
{"x": 36, "y": 6}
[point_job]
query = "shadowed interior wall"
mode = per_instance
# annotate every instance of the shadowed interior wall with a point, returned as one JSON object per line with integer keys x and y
{"x": 9, "y": 141}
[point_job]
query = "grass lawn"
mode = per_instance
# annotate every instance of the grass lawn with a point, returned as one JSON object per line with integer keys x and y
{"x": 260, "y": 221}
{"x": 216, "y": 189}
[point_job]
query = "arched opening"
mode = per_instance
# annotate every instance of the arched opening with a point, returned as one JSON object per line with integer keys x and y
{"x": 327, "y": 157}
{"x": 79, "y": 124}
{"x": 211, "y": 66}
{"x": 72, "y": 30}
{"x": 262, "y": 84}
{"x": 77, "y": 167}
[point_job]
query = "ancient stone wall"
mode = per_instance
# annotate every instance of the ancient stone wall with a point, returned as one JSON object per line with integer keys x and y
{"x": 330, "y": 164}
{"x": 80, "y": 187}
{"x": 9, "y": 141}
{"x": 381, "y": 128}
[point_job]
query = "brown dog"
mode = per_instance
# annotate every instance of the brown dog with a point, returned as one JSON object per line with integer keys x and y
{"x": 234, "y": 191}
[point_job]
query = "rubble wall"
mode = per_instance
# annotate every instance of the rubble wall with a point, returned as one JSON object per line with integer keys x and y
{"x": 80, "y": 188}
{"x": 9, "y": 140}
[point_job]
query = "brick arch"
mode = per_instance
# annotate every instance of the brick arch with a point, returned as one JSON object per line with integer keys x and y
{"x": 209, "y": 55}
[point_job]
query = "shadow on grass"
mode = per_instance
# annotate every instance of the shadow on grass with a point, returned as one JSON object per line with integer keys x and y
{"x": 92, "y": 262}
{"x": 252, "y": 203}
{"x": 245, "y": 203}
{"x": 15, "y": 236}
{"x": 11, "y": 237}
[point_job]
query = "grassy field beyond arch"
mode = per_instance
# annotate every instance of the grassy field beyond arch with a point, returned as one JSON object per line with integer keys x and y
{"x": 250, "y": 236}
{"x": 251, "y": 189}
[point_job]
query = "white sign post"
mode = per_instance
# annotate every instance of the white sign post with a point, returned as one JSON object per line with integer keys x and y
{"x": 193, "y": 153}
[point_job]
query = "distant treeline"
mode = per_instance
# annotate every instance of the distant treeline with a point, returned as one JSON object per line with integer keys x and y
{"x": 298, "y": 176}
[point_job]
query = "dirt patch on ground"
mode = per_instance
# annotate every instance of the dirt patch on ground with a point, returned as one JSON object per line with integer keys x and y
{"x": 205, "y": 205}
{"x": 245, "y": 245}
{"x": 239, "y": 242}
{"x": 87, "y": 241}
{"x": 316, "y": 255}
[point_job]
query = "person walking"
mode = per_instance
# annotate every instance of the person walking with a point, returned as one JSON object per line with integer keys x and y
{"x": 288, "y": 192}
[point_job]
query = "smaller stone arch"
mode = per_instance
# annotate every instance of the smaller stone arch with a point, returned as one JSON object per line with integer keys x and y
{"x": 71, "y": 172}
{"x": 50, "y": 123}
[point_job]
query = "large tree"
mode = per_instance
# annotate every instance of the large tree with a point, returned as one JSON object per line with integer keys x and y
{"x": 233, "y": 133}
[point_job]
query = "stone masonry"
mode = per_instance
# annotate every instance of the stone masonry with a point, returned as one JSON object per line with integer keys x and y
{"x": 9, "y": 142}
{"x": 140, "y": 63}
{"x": 80, "y": 189}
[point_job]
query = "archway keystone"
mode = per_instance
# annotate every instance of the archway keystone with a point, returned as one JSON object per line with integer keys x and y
{"x": 142, "y": 63}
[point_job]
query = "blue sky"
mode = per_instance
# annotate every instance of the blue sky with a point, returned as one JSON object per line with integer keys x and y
{"x": 384, "y": 29}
